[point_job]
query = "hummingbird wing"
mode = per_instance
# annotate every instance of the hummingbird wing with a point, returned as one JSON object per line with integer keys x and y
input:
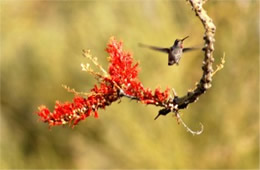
{"x": 189, "y": 49}
{"x": 161, "y": 49}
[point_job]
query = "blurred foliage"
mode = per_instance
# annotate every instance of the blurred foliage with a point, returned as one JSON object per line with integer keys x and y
{"x": 41, "y": 43}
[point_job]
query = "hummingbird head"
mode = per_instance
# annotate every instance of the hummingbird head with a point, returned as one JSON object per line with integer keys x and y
{"x": 179, "y": 42}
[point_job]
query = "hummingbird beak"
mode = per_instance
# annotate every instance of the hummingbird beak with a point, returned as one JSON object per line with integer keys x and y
{"x": 184, "y": 38}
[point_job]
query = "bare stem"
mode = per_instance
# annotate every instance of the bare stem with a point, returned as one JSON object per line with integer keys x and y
{"x": 187, "y": 128}
{"x": 72, "y": 90}
{"x": 221, "y": 65}
{"x": 94, "y": 61}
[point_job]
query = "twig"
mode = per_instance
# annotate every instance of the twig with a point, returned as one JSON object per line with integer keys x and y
{"x": 122, "y": 93}
{"x": 221, "y": 65}
{"x": 94, "y": 60}
{"x": 71, "y": 90}
{"x": 187, "y": 128}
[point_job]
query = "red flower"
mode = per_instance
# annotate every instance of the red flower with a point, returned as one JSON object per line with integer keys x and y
{"x": 123, "y": 75}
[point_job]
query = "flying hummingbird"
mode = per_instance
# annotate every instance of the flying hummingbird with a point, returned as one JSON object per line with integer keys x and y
{"x": 174, "y": 52}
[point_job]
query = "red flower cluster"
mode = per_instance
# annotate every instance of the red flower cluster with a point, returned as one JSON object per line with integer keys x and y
{"x": 123, "y": 76}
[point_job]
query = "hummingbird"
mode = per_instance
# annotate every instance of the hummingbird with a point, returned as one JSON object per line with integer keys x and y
{"x": 174, "y": 52}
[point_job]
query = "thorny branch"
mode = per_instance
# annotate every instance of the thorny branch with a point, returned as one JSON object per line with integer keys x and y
{"x": 206, "y": 79}
{"x": 208, "y": 72}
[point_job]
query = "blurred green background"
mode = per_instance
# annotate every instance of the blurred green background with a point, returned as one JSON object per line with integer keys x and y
{"x": 41, "y": 43}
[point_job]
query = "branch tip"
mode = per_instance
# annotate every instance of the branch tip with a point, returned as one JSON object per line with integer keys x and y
{"x": 221, "y": 65}
{"x": 179, "y": 119}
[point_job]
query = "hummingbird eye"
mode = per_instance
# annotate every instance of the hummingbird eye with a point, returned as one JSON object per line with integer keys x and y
{"x": 176, "y": 42}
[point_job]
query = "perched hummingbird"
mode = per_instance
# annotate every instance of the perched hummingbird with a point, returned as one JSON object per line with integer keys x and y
{"x": 174, "y": 52}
